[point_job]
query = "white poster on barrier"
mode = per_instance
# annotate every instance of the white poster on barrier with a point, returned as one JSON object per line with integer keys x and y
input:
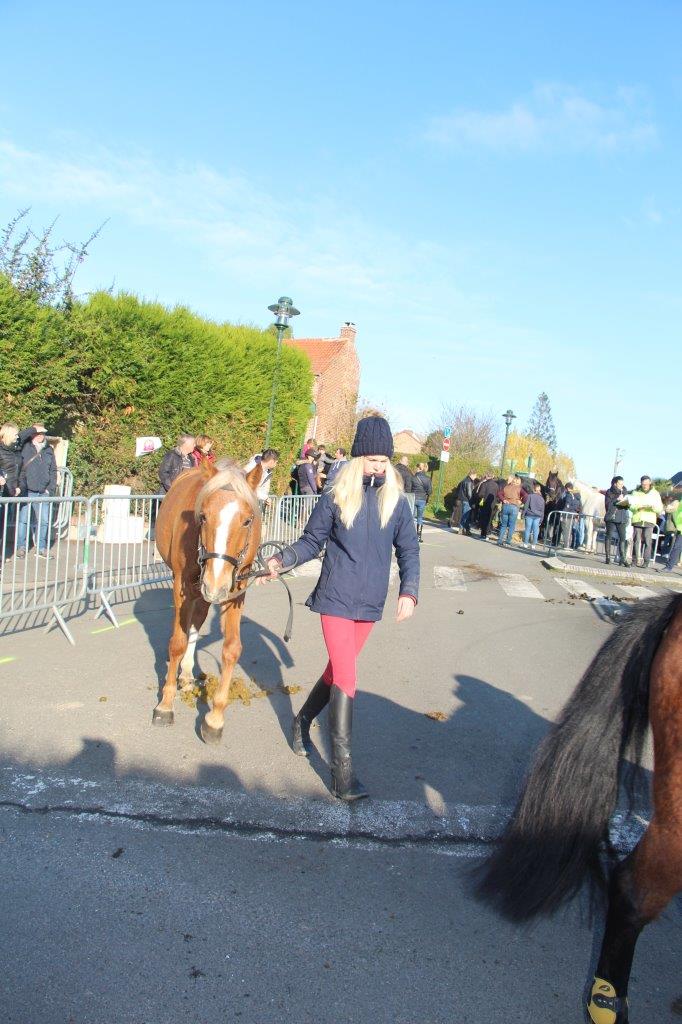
{"x": 146, "y": 445}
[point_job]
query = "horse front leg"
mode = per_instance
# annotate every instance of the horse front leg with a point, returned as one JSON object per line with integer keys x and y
{"x": 212, "y": 725}
{"x": 177, "y": 647}
{"x": 197, "y": 619}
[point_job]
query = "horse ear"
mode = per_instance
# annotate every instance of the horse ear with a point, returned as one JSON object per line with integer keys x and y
{"x": 207, "y": 468}
{"x": 254, "y": 477}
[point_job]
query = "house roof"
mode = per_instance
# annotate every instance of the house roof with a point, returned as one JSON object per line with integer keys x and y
{"x": 411, "y": 433}
{"x": 320, "y": 351}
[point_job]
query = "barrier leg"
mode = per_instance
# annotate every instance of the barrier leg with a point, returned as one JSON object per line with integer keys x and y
{"x": 106, "y": 609}
{"x": 58, "y": 618}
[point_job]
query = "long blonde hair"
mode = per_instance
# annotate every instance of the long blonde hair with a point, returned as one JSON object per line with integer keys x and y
{"x": 8, "y": 433}
{"x": 347, "y": 492}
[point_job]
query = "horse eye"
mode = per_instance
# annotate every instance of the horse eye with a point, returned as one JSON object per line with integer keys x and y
{"x": 202, "y": 518}
{"x": 248, "y": 522}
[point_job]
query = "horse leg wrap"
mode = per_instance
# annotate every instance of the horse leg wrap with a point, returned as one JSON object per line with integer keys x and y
{"x": 605, "y": 1007}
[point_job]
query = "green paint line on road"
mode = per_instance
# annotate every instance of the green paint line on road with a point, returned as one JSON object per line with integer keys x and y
{"x": 4, "y": 661}
{"x": 105, "y": 629}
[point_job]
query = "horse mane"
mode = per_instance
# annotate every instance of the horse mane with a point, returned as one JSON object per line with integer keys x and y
{"x": 228, "y": 476}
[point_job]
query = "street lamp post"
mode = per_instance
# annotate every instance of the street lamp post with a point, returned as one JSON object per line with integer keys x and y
{"x": 508, "y": 416}
{"x": 283, "y": 309}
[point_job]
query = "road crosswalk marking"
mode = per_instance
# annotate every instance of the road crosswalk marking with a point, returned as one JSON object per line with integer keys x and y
{"x": 579, "y": 588}
{"x": 640, "y": 593}
{"x": 446, "y": 577}
{"x": 516, "y": 585}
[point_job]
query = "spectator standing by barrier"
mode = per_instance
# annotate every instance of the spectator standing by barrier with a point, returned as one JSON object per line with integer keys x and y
{"x": 616, "y": 520}
{"x": 668, "y": 530}
{"x": 646, "y": 506}
{"x": 511, "y": 496}
{"x": 268, "y": 460}
{"x": 10, "y": 460}
{"x": 306, "y": 476}
{"x": 203, "y": 449}
{"x": 421, "y": 488}
{"x": 337, "y": 465}
{"x": 533, "y": 511}
{"x": 37, "y": 479}
{"x": 176, "y": 461}
{"x": 570, "y": 504}
{"x": 360, "y": 522}
{"x": 403, "y": 469}
{"x": 322, "y": 464}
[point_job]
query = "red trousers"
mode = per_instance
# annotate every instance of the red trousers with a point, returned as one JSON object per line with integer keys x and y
{"x": 344, "y": 638}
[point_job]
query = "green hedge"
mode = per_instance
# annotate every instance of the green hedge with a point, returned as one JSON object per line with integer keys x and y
{"x": 114, "y": 368}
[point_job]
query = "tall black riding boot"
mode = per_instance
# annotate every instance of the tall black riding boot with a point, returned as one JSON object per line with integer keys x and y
{"x": 344, "y": 784}
{"x": 318, "y": 698}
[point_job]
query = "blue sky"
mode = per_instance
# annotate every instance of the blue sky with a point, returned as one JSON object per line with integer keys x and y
{"x": 491, "y": 191}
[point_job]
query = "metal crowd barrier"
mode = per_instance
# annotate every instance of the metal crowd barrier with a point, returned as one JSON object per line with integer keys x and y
{"x": 559, "y": 527}
{"x": 79, "y": 551}
{"x": 43, "y": 557}
{"x": 122, "y": 553}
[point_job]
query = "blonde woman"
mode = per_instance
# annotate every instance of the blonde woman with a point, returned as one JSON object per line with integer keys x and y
{"x": 361, "y": 519}
{"x": 9, "y": 460}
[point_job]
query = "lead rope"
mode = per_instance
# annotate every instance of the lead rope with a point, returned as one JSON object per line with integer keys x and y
{"x": 270, "y": 549}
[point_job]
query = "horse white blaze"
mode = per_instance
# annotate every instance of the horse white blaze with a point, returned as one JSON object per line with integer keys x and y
{"x": 215, "y": 567}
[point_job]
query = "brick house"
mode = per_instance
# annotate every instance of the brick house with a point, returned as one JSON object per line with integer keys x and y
{"x": 336, "y": 369}
{"x": 408, "y": 443}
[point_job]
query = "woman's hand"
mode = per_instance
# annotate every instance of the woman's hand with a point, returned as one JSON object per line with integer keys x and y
{"x": 275, "y": 567}
{"x": 406, "y": 608}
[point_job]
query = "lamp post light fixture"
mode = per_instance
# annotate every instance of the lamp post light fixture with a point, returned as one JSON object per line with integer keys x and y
{"x": 283, "y": 309}
{"x": 508, "y": 416}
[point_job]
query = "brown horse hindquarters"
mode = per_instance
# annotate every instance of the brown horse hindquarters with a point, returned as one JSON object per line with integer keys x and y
{"x": 657, "y": 861}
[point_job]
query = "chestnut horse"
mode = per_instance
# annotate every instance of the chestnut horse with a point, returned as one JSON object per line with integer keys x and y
{"x": 207, "y": 532}
{"x": 559, "y": 832}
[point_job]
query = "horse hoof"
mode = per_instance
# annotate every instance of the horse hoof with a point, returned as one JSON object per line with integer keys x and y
{"x": 209, "y": 734}
{"x": 161, "y": 717}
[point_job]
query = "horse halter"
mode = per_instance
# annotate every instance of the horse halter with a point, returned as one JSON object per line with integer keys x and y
{"x": 203, "y": 557}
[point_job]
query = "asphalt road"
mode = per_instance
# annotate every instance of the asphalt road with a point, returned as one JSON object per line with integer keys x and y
{"x": 242, "y": 890}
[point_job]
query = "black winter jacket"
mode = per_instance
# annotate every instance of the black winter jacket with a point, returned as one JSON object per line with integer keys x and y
{"x": 465, "y": 491}
{"x": 421, "y": 486}
{"x": 353, "y": 583}
{"x": 614, "y": 514}
{"x": 172, "y": 465}
{"x": 570, "y": 502}
{"x": 406, "y": 476}
{"x": 10, "y": 461}
{"x": 38, "y": 470}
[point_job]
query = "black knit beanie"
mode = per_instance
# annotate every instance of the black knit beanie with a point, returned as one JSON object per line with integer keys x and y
{"x": 373, "y": 437}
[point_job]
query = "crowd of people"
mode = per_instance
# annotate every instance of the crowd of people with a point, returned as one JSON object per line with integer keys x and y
{"x": 28, "y": 468}
{"x": 630, "y": 517}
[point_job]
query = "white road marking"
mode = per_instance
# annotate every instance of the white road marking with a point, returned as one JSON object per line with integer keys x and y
{"x": 640, "y": 593}
{"x": 579, "y": 588}
{"x": 447, "y": 578}
{"x": 516, "y": 585}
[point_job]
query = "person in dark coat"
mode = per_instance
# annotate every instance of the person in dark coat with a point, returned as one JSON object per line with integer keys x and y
{"x": 421, "y": 488}
{"x": 10, "y": 460}
{"x": 177, "y": 460}
{"x": 486, "y": 495}
{"x": 37, "y": 479}
{"x": 616, "y": 520}
{"x": 306, "y": 475}
{"x": 405, "y": 473}
{"x": 570, "y": 503}
{"x": 463, "y": 500}
{"x": 360, "y": 521}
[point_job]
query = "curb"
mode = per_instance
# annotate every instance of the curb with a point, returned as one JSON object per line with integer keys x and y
{"x": 555, "y": 564}
{"x": 259, "y": 816}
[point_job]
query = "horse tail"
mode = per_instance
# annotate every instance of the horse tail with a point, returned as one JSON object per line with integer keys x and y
{"x": 553, "y": 839}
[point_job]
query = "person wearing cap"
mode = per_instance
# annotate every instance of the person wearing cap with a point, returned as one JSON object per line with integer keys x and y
{"x": 361, "y": 520}
{"x": 37, "y": 479}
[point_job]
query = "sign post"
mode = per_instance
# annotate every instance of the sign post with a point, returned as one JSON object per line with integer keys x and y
{"x": 444, "y": 457}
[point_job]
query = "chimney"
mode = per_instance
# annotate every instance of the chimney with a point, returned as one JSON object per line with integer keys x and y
{"x": 348, "y": 331}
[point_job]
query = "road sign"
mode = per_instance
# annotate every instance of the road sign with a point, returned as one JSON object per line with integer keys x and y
{"x": 445, "y": 455}
{"x": 447, "y": 432}
{"x": 446, "y": 444}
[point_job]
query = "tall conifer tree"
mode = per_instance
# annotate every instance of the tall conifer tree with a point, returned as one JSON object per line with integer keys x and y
{"x": 541, "y": 424}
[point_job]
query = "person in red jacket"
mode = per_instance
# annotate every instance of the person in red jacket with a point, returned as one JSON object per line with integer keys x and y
{"x": 203, "y": 449}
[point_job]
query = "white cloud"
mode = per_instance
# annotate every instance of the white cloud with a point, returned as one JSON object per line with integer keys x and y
{"x": 552, "y": 117}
